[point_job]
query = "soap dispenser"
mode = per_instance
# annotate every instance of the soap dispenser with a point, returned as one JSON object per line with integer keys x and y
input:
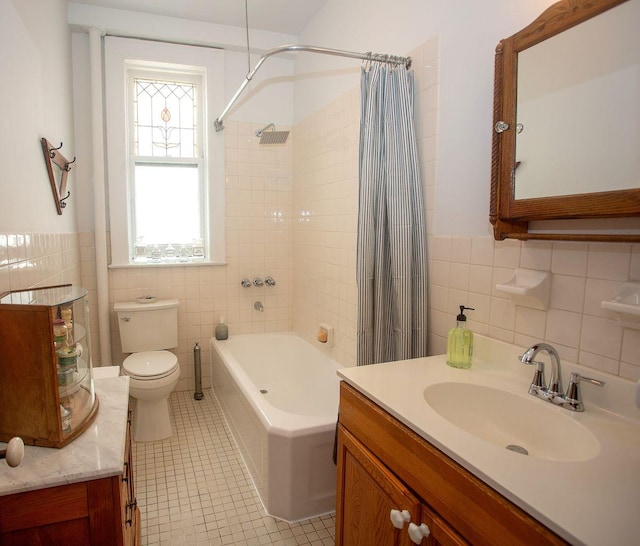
{"x": 460, "y": 342}
{"x": 221, "y": 330}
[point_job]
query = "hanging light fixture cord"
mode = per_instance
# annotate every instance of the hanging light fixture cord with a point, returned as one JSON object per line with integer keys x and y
{"x": 246, "y": 24}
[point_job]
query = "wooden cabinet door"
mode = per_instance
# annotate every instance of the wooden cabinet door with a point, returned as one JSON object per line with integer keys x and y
{"x": 440, "y": 532}
{"x": 366, "y": 494}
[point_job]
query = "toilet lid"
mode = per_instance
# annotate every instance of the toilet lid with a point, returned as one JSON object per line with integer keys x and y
{"x": 150, "y": 364}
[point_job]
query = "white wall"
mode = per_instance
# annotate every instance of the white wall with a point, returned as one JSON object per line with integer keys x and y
{"x": 455, "y": 113}
{"x": 469, "y": 32}
{"x": 268, "y": 97}
{"x": 36, "y": 95}
{"x": 251, "y": 176}
{"x": 37, "y": 247}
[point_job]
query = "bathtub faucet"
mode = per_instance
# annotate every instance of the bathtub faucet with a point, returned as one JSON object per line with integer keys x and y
{"x": 258, "y": 306}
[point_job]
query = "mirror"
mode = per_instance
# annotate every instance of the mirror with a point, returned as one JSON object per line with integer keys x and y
{"x": 567, "y": 121}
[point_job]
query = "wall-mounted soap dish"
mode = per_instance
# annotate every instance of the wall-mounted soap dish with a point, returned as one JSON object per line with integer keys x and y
{"x": 528, "y": 288}
{"x": 626, "y": 304}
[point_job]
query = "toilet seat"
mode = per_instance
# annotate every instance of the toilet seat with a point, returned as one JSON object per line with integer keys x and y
{"x": 148, "y": 365}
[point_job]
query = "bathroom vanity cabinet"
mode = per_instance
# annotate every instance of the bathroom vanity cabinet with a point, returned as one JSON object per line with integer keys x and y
{"x": 383, "y": 466}
{"x": 99, "y": 512}
{"x": 48, "y": 396}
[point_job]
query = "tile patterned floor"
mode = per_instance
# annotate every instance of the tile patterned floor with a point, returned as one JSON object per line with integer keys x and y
{"x": 193, "y": 488}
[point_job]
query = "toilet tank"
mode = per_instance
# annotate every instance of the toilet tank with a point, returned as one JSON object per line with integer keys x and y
{"x": 147, "y": 326}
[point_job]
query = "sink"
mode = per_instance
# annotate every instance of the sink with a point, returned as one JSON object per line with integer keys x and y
{"x": 523, "y": 425}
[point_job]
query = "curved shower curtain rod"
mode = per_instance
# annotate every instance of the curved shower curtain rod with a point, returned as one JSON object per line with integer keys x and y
{"x": 219, "y": 126}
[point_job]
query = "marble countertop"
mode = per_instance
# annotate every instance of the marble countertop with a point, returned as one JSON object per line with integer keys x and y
{"x": 588, "y": 502}
{"x": 96, "y": 453}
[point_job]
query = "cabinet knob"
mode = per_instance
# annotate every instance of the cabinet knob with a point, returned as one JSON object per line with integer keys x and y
{"x": 418, "y": 532}
{"x": 14, "y": 452}
{"x": 398, "y": 518}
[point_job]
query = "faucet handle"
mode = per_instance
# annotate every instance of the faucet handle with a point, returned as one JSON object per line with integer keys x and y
{"x": 538, "y": 383}
{"x": 573, "y": 397}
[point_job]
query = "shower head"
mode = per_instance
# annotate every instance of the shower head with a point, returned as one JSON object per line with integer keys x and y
{"x": 272, "y": 136}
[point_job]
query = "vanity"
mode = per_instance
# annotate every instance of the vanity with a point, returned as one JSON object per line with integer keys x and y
{"x": 427, "y": 455}
{"x": 81, "y": 494}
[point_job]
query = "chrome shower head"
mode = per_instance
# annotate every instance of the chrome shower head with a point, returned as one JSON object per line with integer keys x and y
{"x": 272, "y": 136}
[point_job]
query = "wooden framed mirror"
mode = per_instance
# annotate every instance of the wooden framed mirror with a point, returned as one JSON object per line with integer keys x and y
{"x": 566, "y": 141}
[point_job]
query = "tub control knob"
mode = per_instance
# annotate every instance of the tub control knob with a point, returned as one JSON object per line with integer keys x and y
{"x": 257, "y": 281}
{"x": 246, "y": 283}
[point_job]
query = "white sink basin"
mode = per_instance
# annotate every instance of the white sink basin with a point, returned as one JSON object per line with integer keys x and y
{"x": 520, "y": 424}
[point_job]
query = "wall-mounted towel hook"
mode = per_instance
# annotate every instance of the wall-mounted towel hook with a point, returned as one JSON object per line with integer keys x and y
{"x": 52, "y": 150}
{"x": 53, "y": 156}
{"x": 63, "y": 199}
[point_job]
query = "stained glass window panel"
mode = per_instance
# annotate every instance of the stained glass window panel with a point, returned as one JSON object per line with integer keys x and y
{"x": 165, "y": 119}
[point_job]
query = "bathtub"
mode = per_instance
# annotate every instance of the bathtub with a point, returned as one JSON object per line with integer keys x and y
{"x": 279, "y": 395}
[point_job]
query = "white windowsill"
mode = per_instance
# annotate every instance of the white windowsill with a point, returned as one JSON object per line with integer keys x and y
{"x": 173, "y": 264}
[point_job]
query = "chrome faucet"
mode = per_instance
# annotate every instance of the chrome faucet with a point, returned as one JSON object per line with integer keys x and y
{"x": 555, "y": 380}
{"x": 572, "y": 400}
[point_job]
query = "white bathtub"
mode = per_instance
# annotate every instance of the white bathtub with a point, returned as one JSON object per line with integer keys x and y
{"x": 280, "y": 397}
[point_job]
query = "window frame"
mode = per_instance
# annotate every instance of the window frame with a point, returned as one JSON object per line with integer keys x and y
{"x": 124, "y": 56}
{"x": 134, "y": 71}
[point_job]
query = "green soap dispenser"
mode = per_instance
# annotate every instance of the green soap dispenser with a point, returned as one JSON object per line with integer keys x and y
{"x": 460, "y": 342}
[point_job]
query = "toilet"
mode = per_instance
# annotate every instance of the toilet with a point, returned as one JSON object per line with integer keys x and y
{"x": 146, "y": 330}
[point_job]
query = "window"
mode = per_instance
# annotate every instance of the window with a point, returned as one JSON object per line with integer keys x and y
{"x": 166, "y": 176}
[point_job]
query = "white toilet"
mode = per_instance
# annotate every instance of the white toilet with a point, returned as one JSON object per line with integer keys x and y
{"x": 145, "y": 330}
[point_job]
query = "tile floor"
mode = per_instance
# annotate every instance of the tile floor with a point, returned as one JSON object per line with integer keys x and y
{"x": 193, "y": 488}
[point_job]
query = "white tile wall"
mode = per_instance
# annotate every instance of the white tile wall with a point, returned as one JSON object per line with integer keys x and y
{"x": 29, "y": 260}
{"x": 258, "y": 235}
{"x": 583, "y": 274}
{"x": 324, "y": 225}
{"x": 292, "y": 213}
{"x": 325, "y": 197}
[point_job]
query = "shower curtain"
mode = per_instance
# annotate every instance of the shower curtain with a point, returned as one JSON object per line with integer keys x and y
{"x": 391, "y": 251}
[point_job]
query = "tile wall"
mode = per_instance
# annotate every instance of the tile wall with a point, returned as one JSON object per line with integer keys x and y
{"x": 292, "y": 213}
{"x": 325, "y": 204}
{"x": 258, "y": 234}
{"x": 461, "y": 269}
{"x": 465, "y": 270}
{"x": 30, "y": 260}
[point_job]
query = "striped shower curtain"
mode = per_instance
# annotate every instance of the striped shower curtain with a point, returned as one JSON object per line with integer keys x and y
{"x": 391, "y": 256}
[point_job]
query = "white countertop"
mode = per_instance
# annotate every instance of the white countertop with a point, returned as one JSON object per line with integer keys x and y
{"x": 591, "y": 502}
{"x": 97, "y": 453}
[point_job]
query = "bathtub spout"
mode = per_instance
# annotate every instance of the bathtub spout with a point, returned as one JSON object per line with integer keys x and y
{"x": 258, "y": 306}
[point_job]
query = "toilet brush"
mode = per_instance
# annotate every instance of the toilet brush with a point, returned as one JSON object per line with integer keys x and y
{"x": 198, "y": 395}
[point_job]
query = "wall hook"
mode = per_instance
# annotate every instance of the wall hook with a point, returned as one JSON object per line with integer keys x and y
{"x": 52, "y": 150}
{"x": 63, "y": 199}
{"x": 53, "y": 156}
